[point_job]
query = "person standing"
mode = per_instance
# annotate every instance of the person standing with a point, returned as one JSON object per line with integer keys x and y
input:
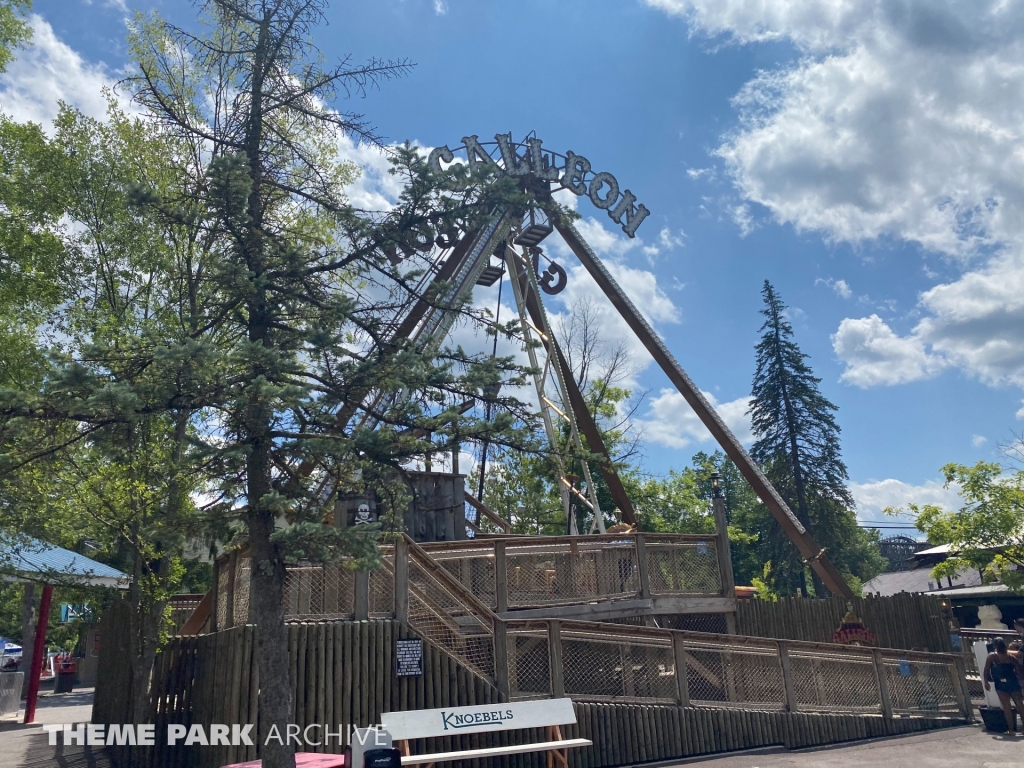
{"x": 1004, "y": 671}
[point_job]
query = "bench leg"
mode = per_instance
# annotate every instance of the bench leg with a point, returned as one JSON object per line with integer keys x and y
{"x": 554, "y": 733}
{"x": 402, "y": 745}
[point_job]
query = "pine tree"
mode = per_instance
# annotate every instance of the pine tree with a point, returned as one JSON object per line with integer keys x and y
{"x": 305, "y": 345}
{"x": 798, "y": 447}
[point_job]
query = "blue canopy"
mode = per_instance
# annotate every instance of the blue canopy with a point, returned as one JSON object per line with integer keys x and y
{"x": 38, "y": 561}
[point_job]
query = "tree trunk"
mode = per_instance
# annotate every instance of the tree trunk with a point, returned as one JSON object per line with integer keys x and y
{"x": 266, "y": 606}
{"x": 28, "y": 633}
{"x": 267, "y": 571}
{"x": 144, "y": 638}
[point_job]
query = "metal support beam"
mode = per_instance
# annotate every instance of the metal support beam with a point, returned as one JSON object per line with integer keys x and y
{"x": 594, "y": 441}
{"x": 808, "y": 547}
{"x": 585, "y": 421}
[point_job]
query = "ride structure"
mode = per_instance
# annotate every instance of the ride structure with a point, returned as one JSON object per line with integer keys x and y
{"x": 637, "y": 628}
{"x": 510, "y": 243}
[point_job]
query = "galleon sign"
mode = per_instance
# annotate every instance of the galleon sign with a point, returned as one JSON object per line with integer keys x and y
{"x": 570, "y": 171}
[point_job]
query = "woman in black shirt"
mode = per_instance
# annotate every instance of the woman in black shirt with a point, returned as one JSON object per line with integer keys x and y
{"x": 1004, "y": 671}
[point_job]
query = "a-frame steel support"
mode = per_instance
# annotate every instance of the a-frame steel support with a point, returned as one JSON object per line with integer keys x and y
{"x": 584, "y": 419}
{"x": 815, "y": 555}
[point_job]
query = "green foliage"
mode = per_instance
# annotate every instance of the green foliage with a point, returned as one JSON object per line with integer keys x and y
{"x": 60, "y": 635}
{"x": 797, "y": 445}
{"x": 14, "y": 30}
{"x": 987, "y": 532}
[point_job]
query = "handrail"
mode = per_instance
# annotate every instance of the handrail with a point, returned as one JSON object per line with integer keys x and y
{"x": 742, "y": 641}
{"x": 489, "y": 513}
{"x": 601, "y": 661}
{"x": 595, "y": 538}
{"x": 453, "y": 584}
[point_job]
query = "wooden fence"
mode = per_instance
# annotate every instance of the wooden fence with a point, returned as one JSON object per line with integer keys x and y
{"x": 111, "y": 699}
{"x": 900, "y": 621}
{"x": 344, "y": 673}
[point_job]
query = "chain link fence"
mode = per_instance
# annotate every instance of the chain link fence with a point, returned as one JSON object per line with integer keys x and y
{"x": 827, "y": 682}
{"x": 440, "y": 613}
{"x": 472, "y": 566}
{"x": 529, "y": 668}
{"x": 606, "y": 665}
{"x": 382, "y": 586}
{"x": 451, "y": 589}
{"x": 716, "y": 623}
{"x": 538, "y": 572}
{"x": 319, "y": 591}
{"x": 727, "y": 674}
{"x": 915, "y": 684}
{"x": 551, "y": 573}
{"x": 223, "y": 595}
{"x": 682, "y": 567}
{"x": 600, "y": 662}
{"x": 558, "y": 570}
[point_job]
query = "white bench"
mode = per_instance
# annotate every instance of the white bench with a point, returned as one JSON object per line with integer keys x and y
{"x": 549, "y": 714}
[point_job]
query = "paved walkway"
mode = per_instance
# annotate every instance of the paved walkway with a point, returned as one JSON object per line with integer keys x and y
{"x": 966, "y": 747}
{"x": 26, "y": 746}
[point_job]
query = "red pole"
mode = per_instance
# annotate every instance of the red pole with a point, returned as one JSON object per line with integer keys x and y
{"x": 37, "y": 652}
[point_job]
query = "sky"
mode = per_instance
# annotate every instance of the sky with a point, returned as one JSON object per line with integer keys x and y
{"x": 865, "y": 156}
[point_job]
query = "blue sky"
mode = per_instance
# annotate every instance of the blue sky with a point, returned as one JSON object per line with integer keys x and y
{"x": 863, "y": 156}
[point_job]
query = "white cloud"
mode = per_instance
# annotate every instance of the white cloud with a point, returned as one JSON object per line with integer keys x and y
{"x": 48, "y": 72}
{"x": 875, "y": 495}
{"x": 978, "y": 440}
{"x": 643, "y": 289}
{"x": 972, "y": 323}
{"x": 1020, "y": 413}
{"x": 606, "y": 243}
{"x": 809, "y": 22}
{"x": 440, "y": 7}
{"x": 900, "y": 119}
{"x": 875, "y": 355}
{"x": 975, "y": 322}
{"x": 376, "y": 189}
{"x": 841, "y": 287}
{"x": 671, "y": 422}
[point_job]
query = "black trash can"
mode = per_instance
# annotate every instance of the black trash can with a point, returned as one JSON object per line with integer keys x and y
{"x": 994, "y": 719}
{"x": 66, "y": 671}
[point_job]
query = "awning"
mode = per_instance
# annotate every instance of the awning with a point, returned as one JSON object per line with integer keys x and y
{"x": 33, "y": 560}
